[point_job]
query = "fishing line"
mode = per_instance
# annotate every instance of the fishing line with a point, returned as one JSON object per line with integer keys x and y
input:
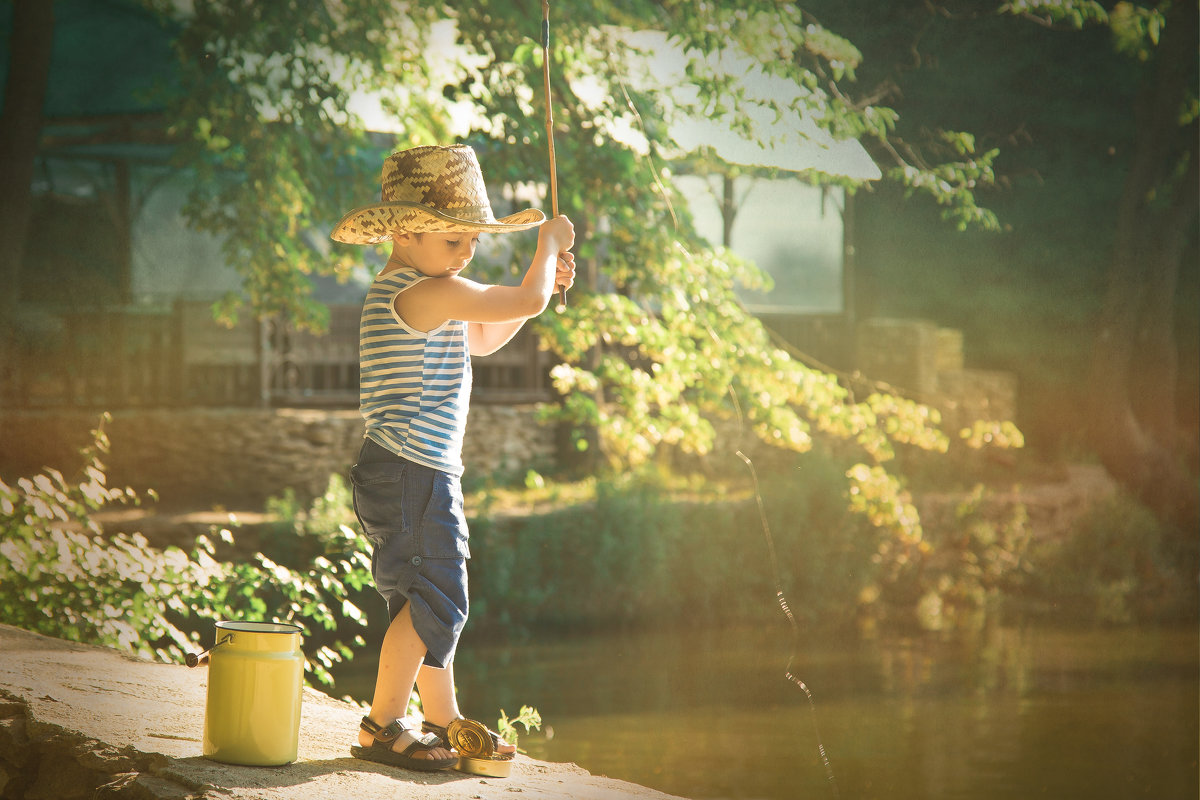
{"x": 776, "y": 574}
{"x": 791, "y": 676}
{"x": 783, "y": 604}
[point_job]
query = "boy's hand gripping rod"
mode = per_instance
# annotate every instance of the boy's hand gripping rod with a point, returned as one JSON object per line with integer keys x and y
{"x": 562, "y": 293}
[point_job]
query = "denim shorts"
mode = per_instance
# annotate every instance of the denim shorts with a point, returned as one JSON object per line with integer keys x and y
{"x": 413, "y": 516}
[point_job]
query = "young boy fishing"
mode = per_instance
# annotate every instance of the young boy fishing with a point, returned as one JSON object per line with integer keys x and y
{"x": 421, "y": 323}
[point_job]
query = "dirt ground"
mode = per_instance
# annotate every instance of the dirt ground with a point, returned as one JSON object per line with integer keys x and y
{"x": 78, "y": 721}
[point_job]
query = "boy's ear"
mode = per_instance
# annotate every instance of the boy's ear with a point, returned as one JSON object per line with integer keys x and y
{"x": 404, "y": 238}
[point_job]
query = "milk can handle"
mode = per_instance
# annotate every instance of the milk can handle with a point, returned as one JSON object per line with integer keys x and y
{"x": 194, "y": 659}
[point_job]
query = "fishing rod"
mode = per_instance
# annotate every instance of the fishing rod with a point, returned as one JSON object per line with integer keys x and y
{"x": 562, "y": 292}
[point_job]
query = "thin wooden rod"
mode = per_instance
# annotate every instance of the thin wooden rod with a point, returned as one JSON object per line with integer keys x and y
{"x": 562, "y": 293}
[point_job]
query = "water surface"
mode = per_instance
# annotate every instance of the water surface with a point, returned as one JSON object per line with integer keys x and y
{"x": 1005, "y": 712}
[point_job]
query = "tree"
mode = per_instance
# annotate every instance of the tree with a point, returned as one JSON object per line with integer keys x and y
{"x": 20, "y": 126}
{"x": 1132, "y": 411}
{"x": 261, "y": 116}
{"x": 1133, "y": 418}
{"x": 1125, "y": 404}
{"x": 650, "y": 360}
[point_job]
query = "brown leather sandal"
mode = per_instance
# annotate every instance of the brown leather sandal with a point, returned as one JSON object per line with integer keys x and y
{"x": 381, "y": 751}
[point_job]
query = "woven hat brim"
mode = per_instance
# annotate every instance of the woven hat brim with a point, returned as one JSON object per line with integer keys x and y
{"x": 381, "y": 221}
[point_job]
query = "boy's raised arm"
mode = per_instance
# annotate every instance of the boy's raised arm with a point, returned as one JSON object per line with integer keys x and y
{"x": 486, "y": 338}
{"x": 432, "y": 302}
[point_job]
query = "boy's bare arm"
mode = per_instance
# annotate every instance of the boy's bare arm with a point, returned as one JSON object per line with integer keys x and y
{"x": 432, "y": 302}
{"x": 486, "y": 338}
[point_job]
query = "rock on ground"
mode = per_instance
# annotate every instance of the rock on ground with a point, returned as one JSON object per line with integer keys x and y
{"x": 78, "y": 721}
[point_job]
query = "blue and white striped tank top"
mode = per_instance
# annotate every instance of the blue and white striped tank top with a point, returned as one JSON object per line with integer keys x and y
{"x": 414, "y": 387}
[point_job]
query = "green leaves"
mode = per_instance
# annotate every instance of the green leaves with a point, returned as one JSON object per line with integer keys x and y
{"x": 528, "y": 718}
{"x": 952, "y": 185}
{"x": 1075, "y": 13}
{"x": 264, "y": 125}
{"x": 204, "y": 134}
{"x": 62, "y": 576}
{"x": 1136, "y": 29}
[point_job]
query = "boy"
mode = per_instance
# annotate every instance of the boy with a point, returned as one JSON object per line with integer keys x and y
{"x": 421, "y": 323}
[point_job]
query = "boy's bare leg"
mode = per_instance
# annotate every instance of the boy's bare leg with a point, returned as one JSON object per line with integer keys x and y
{"x": 399, "y": 659}
{"x": 436, "y": 687}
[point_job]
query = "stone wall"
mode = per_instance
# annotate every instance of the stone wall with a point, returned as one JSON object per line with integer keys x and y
{"x": 926, "y": 362}
{"x": 916, "y": 357}
{"x": 237, "y": 458}
{"x": 900, "y": 352}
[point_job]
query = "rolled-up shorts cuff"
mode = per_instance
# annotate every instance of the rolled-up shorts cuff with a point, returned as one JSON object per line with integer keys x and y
{"x": 413, "y": 516}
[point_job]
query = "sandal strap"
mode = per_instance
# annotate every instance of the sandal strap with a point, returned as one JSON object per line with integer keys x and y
{"x": 382, "y": 733}
{"x": 393, "y": 730}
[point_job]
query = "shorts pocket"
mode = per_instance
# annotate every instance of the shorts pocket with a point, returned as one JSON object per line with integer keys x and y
{"x": 379, "y": 498}
{"x": 443, "y": 531}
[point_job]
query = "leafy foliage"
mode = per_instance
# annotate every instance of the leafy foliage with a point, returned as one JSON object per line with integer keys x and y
{"x": 1120, "y": 566}
{"x": 1050, "y": 12}
{"x": 262, "y": 119}
{"x": 62, "y": 576}
{"x": 643, "y": 549}
{"x": 648, "y": 550}
{"x": 320, "y": 575}
{"x": 972, "y": 556}
{"x": 528, "y": 717}
{"x": 58, "y": 578}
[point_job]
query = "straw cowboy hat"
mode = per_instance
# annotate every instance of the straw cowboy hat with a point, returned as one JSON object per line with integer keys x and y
{"x": 430, "y": 189}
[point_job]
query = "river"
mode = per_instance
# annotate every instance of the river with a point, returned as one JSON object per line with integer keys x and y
{"x": 1003, "y": 712}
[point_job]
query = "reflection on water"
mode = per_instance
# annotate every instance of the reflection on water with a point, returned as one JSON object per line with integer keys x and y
{"x": 999, "y": 713}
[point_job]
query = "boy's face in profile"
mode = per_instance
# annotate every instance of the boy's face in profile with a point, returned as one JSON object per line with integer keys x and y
{"x": 438, "y": 254}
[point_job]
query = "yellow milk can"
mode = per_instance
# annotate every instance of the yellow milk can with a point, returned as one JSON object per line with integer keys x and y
{"x": 255, "y": 684}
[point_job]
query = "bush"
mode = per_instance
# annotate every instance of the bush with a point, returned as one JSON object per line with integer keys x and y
{"x": 969, "y": 555}
{"x": 59, "y": 575}
{"x": 1120, "y": 565}
{"x": 318, "y": 579}
{"x": 640, "y": 552}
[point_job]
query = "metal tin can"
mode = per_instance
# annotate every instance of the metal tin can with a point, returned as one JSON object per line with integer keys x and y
{"x": 255, "y": 685}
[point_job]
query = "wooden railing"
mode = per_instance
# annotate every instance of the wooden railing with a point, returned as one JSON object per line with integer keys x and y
{"x": 120, "y": 358}
{"x": 91, "y": 359}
